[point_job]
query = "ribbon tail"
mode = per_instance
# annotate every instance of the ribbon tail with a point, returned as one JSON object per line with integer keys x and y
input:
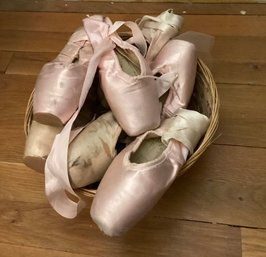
{"x": 165, "y": 82}
{"x": 57, "y": 182}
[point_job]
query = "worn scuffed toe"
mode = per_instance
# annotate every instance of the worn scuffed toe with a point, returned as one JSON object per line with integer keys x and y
{"x": 93, "y": 150}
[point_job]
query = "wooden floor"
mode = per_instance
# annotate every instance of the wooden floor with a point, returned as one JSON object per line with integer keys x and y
{"x": 217, "y": 209}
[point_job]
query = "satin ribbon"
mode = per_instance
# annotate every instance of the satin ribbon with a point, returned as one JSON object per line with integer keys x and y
{"x": 57, "y": 182}
{"x": 73, "y": 46}
{"x": 186, "y": 126}
{"x": 164, "y": 82}
{"x": 132, "y": 186}
{"x": 57, "y": 185}
{"x": 161, "y": 22}
{"x": 99, "y": 27}
{"x": 137, "y": 36}
{"x": 158, "y": 30}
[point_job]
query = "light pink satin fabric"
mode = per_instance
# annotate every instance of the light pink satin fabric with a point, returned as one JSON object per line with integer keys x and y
{"x": 58, "y": 90}
{"x": 56, "y": 169}
{"x": 178, "y": 58}
{"x": 99, "y": 27}
{"x": 57, "y": 183}
{"x": 159, "y": 30}
{"x": 133, "y": 100}
{"x": 59, "y": 84}
{"x": 129, "y": 190}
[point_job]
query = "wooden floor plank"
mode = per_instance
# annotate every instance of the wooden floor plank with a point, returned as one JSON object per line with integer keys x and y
{"x": 226, "y": 25}
{"x": 227, "y": 185}
{"x": 239, "y": 49}
{"x": 39, "y": 21}
{"x": 15, "y": 178}
{"x": 229, "y": 25}
{"x": 26, "y": 219}
{"x": 50, "y": 22}
{"x": 252, "y": 73}
{"x": 5, "y": 58}
{"x": 15, "y": 92}
{"x": 253, "y": 242}
{"x": 25, "y": 251}
{"x": 230, "y": 72}
{"x": 198, "y": 7}
{"x": 13, "y": 141}
{"x": 234, "y": 49}
{"x": 32, "y": 41}
{"x": 242, "y": 115}
{"x": 24, "y": 63}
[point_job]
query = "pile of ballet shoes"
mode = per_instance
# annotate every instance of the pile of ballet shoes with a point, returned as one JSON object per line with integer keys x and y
{"x": 112, "y": 108}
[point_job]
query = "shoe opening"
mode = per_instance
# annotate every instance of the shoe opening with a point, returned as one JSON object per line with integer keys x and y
{"x": 123, "y": 141}
{"x": 149, "y": 150}
{"x": 128, "y": 61}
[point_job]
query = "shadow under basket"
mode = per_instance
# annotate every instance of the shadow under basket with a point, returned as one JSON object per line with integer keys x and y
{"x": 204, "y": 100}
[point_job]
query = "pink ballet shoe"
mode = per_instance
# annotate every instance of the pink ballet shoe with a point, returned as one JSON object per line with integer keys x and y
{"x": 59, "y": 83}
{"x": 38, "y": 145}
{"x": 93, "y": 150}
{"x": 126, "y": 79}
{"x": 177, "y": 63}
{"x": 144, "y": 170}
{"x": 159, "y": 30}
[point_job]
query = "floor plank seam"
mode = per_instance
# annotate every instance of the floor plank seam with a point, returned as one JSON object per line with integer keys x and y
{"x": 238, "y": 84}
{"x": 9, "y": 62}
{"x": 43, "y": 248}
{"x": 236, "y": 145}
{"x": 243, "y": 226}
{"x": 209, "y": 222}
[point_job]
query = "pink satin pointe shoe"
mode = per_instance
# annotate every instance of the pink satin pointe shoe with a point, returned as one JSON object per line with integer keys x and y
{"x": 144, "y": 170}
{"x": 58, "y": 86}
{"x": 38, "y": 145}
{"x": 159, "y": 30}
{"x": 93, "y": 150}
{"x": 126, "y": 78}
{"x": 177, "y": 63}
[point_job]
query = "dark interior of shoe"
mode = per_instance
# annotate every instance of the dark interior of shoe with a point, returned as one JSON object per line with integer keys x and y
{"x": 94, "y": 105}
{"x": 123, "y": 141}
{"x": 128, "y": 61}
{"x": 149, "y": 150}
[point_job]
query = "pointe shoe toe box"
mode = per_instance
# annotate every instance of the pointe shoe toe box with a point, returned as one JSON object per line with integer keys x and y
{"x": 133, "y": 189}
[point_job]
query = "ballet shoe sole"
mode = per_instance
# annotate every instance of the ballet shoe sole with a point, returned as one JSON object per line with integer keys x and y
{"x": 35, "y": 163}
{"x": 48, "y": 119}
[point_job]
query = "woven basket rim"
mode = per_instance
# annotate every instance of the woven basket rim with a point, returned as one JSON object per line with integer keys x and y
{"x": 206, "y": 76}
{"x": 214, "y": 118}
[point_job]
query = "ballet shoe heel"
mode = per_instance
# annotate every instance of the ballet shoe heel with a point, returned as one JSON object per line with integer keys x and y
{"x": 38, "y": 145}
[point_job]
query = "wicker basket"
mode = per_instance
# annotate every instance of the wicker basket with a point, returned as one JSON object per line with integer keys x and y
{"x": 204, "y": 100}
